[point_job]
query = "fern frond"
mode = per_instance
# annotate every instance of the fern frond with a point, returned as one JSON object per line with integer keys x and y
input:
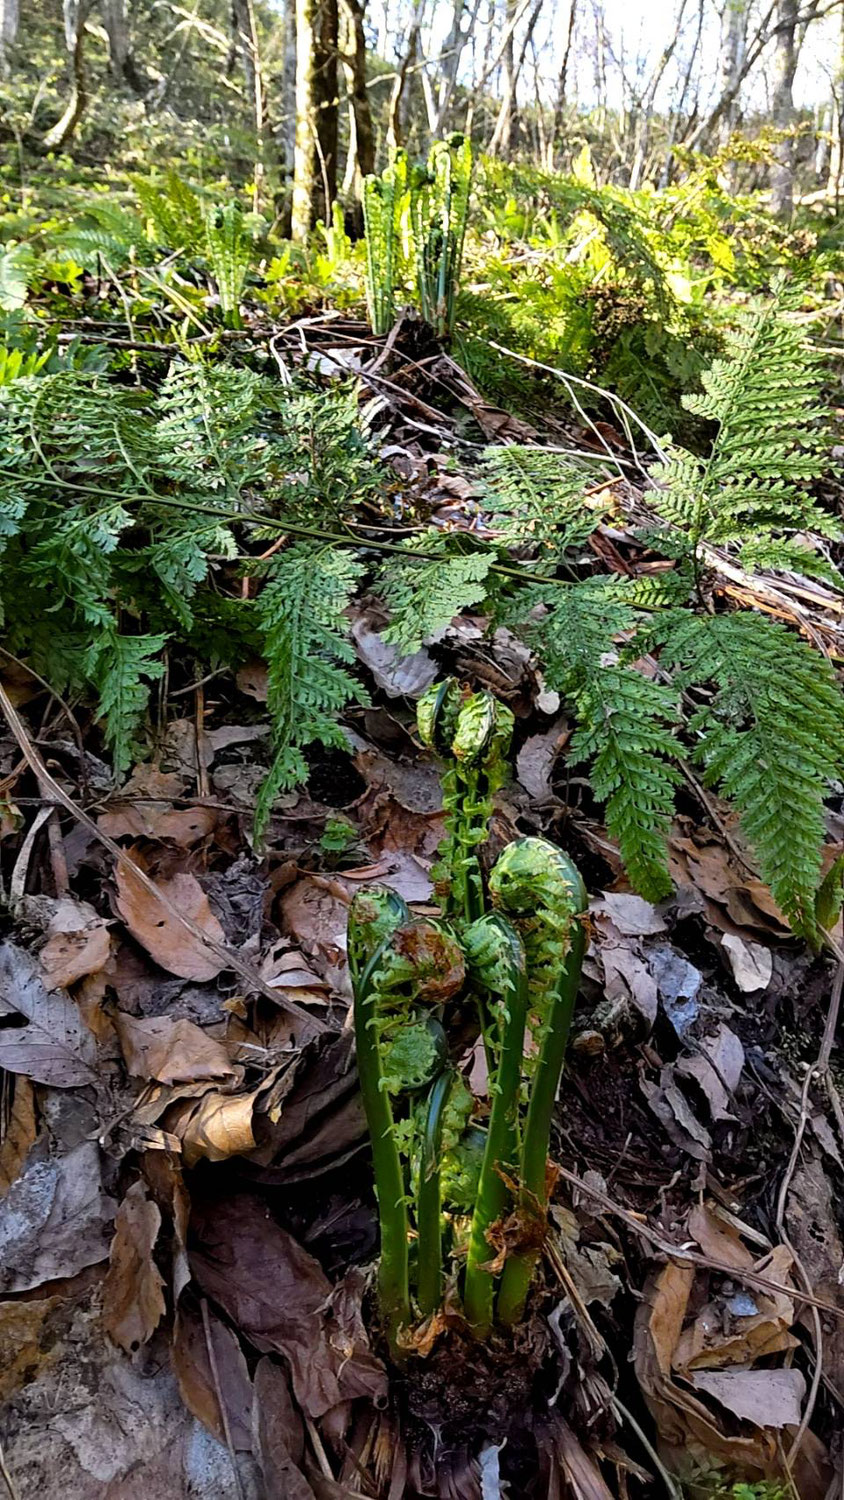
{"x": 424, "y": 594}
{"x": 300, "y": 613}
{"x": 174, "y": 212}
{"x": 229, "y": 246}
{"x": 765, "y": 396}
{"x": 624, "y": 721}
{"x": 771, "y": 738}
{"x": 122, "y": 667}
{"x": 383, "y": 204}
{"x": 538, "y": 498}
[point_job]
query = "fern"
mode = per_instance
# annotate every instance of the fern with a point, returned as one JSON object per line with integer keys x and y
{"x": 308, "y": 657}
{"x": 439, "y": 209}
{"x": 229, "y": 248}
{"x": 765, "y": 396}
{"x": 624, "y": 719}
{"x": 538, "y": 498}
{"x": 425, "y": 594}
{"x": 383, "y": 203}
{"x": 772, "y": 737}
{"x": 173, "y": 210}
{"x": 122, "y": 667}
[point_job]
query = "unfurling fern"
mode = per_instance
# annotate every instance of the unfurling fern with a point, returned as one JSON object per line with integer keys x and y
{"x": 383, "y": 202}
{"x": 771, "y": 739}
{"x": 229, "y": 248}
{"x": 439, "y": 208}
{"x": 624, "y": 719}
{"x": 765, "y": 396}
{"x": 300, "y": 613}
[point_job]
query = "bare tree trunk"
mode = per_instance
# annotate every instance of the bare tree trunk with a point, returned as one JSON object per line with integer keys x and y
{"x": 562, "y": 83}
{"x": 502, "y": 134}
{"x": 451, "y": 55}
{"x": 121, "y": 60}
{"x": 782, "y": 109}
{"x": 646, "y": 104}
{"x": 286, "y": 132}
{"x": 678, "y": 111}
{"x": 75, "y": 18}
{"x": 836, "y": 150}
{"x": 245, "y": 35}
{"x": 401, "y": 98}
{"x": 315, "y": 153}
{"x": 9, "y": 21}
{"x": 733, "y": 47}
{"x": 361, "y": 132}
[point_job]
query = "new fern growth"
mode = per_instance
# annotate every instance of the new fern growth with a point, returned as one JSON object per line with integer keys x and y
{"x": 521, "y": 965}
{"x": 383, "y": 205}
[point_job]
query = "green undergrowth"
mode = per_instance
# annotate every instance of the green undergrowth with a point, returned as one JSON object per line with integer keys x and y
{"x": 197, "y": 501}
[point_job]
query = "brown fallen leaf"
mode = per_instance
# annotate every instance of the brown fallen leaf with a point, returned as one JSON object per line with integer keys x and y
{"x": 55, "y": 1217}
{"x": 709, "y": 1343}
{"x": 22, "y": 1344}
{"x": 171, "y": 945}
{"x": 172, "y": 1051}
{"x": 20, "y": 1133}
{"x": 54, "y": 1046}
{"x": 279, "y": 1433}
{"x": 214, "y": 1127}
{"x": 159, "y": 820}
{"x": 768, "y": 1398}
{"x": 717, "y": 1239}
{"x": 78, "y": 943}
{"x": 133, "y": 1295}
{"x": 197, "y": 1384}
{"x": 281, "y": 1299}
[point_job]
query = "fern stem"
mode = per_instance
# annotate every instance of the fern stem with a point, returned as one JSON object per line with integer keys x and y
{"x": 501, "y": 969}
{"x": 519, "y": 1269}
{"x": 429, "y": 1202}
{"x": 393, "y": 1271}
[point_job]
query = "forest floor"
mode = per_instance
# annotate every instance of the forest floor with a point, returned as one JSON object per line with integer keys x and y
{"x": 187, "y": 1219}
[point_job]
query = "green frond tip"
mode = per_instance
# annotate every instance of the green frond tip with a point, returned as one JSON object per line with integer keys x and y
{"x": 300, "y": 615}
{"x": 765, "y": 395}
{"x": 624, "y": 720}
{"x": 771, "y": 738}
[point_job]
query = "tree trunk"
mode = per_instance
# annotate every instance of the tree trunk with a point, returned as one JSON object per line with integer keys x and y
{"x": 121, "y": 59}
{"x": 315, "y": 154}
{"x": 74, "y": 33}
{"x": 245, "y": 34}
{"x": 401, "y": 98}
{"x": 361, "y": 131}
{"x": 562, "y": 83}
{"x": 782, "y": 110}
{"x": 733, "y": 45}
{"x": 502, "y": 135}
{"x": 836, "y": 150}
{"x": 9, "y": 21}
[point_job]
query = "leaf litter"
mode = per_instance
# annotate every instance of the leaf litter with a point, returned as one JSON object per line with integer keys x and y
{"x": 187, "y": 1225}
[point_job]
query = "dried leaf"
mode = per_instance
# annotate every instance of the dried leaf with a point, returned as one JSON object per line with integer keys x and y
{"x": 279, "y": 1434}
{"x": 397, "y": 676}
{"x": 133, "y": 1296}
{"x": 281, "y": 1299}
{"x": 535, "y": 760}
{"x": 20, "y": 1133}
{"x": 752, "y": 965}
{"x": 672, "y": 1110}
{"x": 718, "y": 1071}
{"x": 159, "y": 820}
{"x": 172, "y": 1051}
{"x": 717, "y": 1239}
{"x": 22, "y": 1350}
{"x": 78, "y": 943}
{"x": 214, "y": 1127}
{"x": 197, "y": 1385}
{"x": 769, "y": 1398}
{"x": 165, "y": 939}
{"x": 54, "y": 1046}
{"x": 54, "y": 1219}
{"x": 630, "y": 915}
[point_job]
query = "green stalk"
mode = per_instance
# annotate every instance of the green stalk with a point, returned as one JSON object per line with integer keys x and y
{"x": 390, "y": 1190}
{"x": 519, "y": 1269}
{"x": 541, "y": 891}
{"x": 497, "y": 961}
{"x": 429, "y": 1202}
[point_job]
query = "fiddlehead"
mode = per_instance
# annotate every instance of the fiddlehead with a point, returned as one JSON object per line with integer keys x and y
{"x": 540, "y": 890}
{"x": 473, "y": 737}
{"x": 495, "y": 961}
{"x": 398, "y": 987}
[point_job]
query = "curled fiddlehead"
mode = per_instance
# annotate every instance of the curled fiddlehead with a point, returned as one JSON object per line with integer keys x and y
{"x": 402, "y": 972}
{"x": 495, "y": 960}
{"x": 472, "y": 735}
{"x": 539, "y": 889}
